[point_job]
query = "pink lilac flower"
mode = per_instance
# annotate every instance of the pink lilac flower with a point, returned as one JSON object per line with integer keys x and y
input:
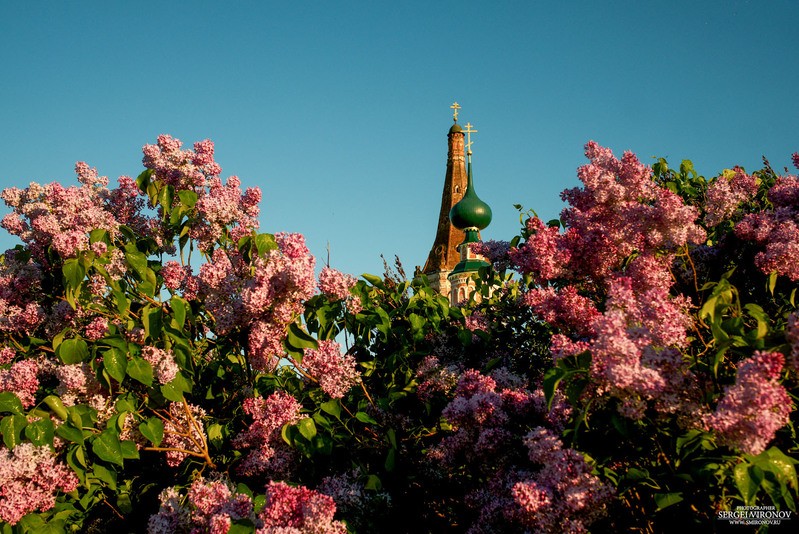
{"x": 565, "y": 309}
{"x": 618, "y": 211}
{"x": 496, "y": 252}
{"x": 543, "y": 254}
{"x": 211, "y": 506}
{"x": 262, "y": 437}
{"x": 96, "y": 329}
{"x": 298, "y": 510}
{"x": 22, "y": 380}
{"x": 163, "y": 362}
{"x": 563, "y": 491}
{"x": 777, "y": 231}
{"x": 792, "y": 334}
{"x": 221, "y": 208}
{"x": 335, "y": 372}
{"x": 181, "y": 432}
{"x": 795, "y": 159}
{"x": 173, "y": 274}
{"x": 29, "y": 478}
{"x": 435, "y": 378}
{"x": 726, "y": 193}
{"x": 755, "y": 407}
{"x": 334, "y": 284}
{"x": 7, "y": 355}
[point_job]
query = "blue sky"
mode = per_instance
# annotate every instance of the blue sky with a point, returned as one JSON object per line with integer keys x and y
{"x": 339, "y": 110}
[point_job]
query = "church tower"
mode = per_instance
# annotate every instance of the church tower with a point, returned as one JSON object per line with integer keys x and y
{"x": 444, "y": 254}
{"x": 451, "y": 264}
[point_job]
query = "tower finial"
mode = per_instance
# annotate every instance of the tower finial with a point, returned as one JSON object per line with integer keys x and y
{"x": 469, "y": 131}
{"x": 455, "y": 107}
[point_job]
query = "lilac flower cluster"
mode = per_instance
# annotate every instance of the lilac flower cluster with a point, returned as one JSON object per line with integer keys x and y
{"x": 755, "y": 407}
{"x": 210, "y": 507}
{"x": 163, "y": 362}
{"x": 20, "y": 310}
{"x": 726, "y": 193}
{"x": 29, "y": 478}
{"x": 268, "y": 452}
{"x": 298, "y": 510}
{"x": 335, "y": 284}
{"x": 496, "y": 252}
{"x": 619, "y": 210}
{"x": 22, "y": 380}
{"x": 561, "y": 497}
{"x": 183, "y": 433}
{"x": 479, "y": 415}
{"x": 335, "y": 372}
{"x": 777, "y": 230}
{"x": 435, "y": 378}
{"x": 261, "y": 298}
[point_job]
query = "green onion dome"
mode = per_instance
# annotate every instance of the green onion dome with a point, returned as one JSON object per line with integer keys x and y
{"x": 470, "y": 211}
{"x": 456, "y": 128}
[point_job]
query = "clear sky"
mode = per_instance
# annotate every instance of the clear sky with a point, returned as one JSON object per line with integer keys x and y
{"x": 339, "y": 110}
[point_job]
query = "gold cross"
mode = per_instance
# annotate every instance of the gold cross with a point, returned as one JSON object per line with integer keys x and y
{"x": 455, "y": 106}
{"x": 469, "y": 133}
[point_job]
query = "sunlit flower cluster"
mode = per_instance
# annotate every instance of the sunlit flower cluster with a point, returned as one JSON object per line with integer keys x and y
{"x": 30, "y": 476}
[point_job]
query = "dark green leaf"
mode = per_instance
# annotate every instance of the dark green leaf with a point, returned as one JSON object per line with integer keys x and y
{"x": 364, "y": 417}
{"x": 140, "y": 369}
{"x": 70, "y": 433}
{"x": 179, "y": 307}
{"x": 40, "y": 432}
{"x": 72, "y": 351}
{"x": 187, "y": 198}
{"x": 108, "y": 448}
{"x": 74, "y": 273}
{"x": 664, "y": 500}
{"x": 12, "y": 426}
{"x": 115, "y": 362}
{"x": 153, "y": 429}
{"x": 307, "y": 428}
{"x": 299, "y": 338}
{"x": 9, "y": 402}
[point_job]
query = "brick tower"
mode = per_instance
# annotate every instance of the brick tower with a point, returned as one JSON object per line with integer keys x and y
{"x": 444, "y": 254}
{"x": 451, "y": 264}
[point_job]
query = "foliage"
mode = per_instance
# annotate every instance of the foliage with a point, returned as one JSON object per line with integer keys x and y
{"x": 637, "y": 372}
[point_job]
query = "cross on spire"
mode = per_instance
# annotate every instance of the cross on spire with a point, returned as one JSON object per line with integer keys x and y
{"x": 455, "y": 107}
{"x": 469, "y": 131}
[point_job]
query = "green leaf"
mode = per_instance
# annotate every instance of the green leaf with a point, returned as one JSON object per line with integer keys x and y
{"x": 152, "y": 318}
{"x": 264, "y": 243}
{"x": 137, "y": 260}
{"x": 179, "y": 307}
{"x": 215, "y": 436}
{"x": 172, "y": 392}
{"x": 374, "y": 280}
{"x": 153, "y": 430}
{"x": 74, "y": 273}
{"x": 70, "y": 433}
{"x": 115, "y": 362}
{"x": 332, "y": 407}
{"x": 129, "y": 450}
{"x": 746, "y": 484}
{"x": 307, "y": 428}
{"x": 187, "y": 198}
{"x": 40, "y": 432}
{"x": 9, "y": 402}
{"x": 12, "y": 426}
{"x": 364, "y": 417}
{"x": 140, "y": 369}
{"x": 391, "y": 460}
{"x": 664, "y": 500}
{"x": 72, "y": 351}
{"x": 551, "y": 380}
{"x": 299, "y": 338}
{"x": 108, "y": 448}
{"x": 102, "y": 473}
